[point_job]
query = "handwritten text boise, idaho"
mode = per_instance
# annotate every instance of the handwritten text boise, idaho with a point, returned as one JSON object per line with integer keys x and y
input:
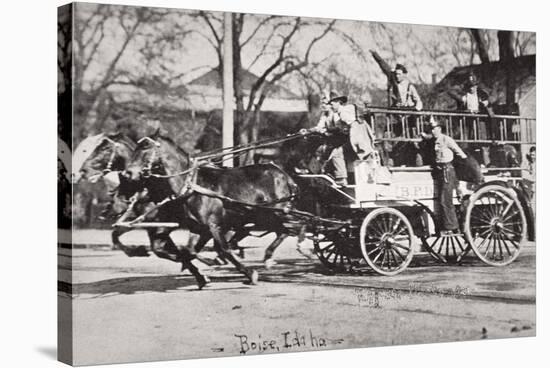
{"x": 286, "y": 341}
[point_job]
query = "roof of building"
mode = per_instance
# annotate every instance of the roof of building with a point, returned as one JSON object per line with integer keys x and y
{"x": 205, "y": 93}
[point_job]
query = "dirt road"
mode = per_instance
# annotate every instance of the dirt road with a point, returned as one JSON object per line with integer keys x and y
{"x": 142, "y": 309}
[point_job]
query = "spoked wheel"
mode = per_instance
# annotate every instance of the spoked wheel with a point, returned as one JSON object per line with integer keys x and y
{"x": 446, "y": 248}
{"x": 495, "y": 225}
{"x": 386, "y": 241}
{"x": 334, "y": 253}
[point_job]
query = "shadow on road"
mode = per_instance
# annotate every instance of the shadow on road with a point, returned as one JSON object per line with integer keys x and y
{"x": 302, "y": 269}
{"x": 139, "y": 285}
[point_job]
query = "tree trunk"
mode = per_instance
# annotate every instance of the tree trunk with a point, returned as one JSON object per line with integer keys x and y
{"x": 244, "y": 134}
{"x": 254, "y": 134}
{"x": 506, "y": 55}
{"x": 505, "y": 45}
{"x": 481, "y": 45}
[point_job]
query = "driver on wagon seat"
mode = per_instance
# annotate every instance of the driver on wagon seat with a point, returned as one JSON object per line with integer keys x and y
{"x": 340, "y": 120}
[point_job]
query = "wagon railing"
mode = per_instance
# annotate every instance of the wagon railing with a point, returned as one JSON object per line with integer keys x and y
{"x": 406, "y": 125}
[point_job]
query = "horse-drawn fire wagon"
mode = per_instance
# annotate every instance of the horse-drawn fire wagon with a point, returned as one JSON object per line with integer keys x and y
{"x": 380, "y": 221}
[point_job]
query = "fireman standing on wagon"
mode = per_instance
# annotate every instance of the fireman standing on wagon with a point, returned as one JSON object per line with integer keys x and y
{"x": 445, "y": 148}
{"x": 341, "y": 122}
{"x": 404, "y": 94}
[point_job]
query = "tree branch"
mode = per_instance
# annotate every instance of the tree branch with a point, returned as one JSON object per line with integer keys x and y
{"x": 274, "y": 65}
{"x": 316, "y": 39}
{"x": 204, "y": 16}
{"x": 258, "y": 26}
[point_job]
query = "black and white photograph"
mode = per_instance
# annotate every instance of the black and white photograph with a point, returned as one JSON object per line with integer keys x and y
{"x": 236, "y": 184}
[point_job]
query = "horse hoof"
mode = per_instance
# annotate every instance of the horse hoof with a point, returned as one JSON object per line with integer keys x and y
{"x": 203, "y": 282}
{"x": 254, "y": 277}
{"x": 269, "y": 263}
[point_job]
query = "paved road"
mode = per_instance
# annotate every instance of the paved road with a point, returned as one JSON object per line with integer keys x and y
{"x": 136, "y": 309}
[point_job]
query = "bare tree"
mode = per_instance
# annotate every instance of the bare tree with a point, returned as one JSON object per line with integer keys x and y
{"x": 104, "y": 35}
{"x": 272, "y": 37}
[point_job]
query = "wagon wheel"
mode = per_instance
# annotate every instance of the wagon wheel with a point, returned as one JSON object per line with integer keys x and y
{"x": 386, "y": 241}
{"x": 446, "y": 248}
{"x": 495, "y": 225}
{"x": 334, "y": 254}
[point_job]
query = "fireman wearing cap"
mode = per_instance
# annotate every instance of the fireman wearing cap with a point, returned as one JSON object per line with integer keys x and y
{"x": 445, "y": 177}
{"x": 474, "y": 100}
{"x": 341, "y": 121}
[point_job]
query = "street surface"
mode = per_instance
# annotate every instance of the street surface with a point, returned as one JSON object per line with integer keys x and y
{"x": 145, "y": 309}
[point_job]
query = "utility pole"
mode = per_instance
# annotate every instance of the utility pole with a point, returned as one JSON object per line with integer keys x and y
{"x": 227, "y": 129}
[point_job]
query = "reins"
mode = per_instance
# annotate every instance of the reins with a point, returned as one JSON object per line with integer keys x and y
{"x": 206, "y": 158}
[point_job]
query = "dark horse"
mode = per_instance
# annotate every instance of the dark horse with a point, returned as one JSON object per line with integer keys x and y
{"x": 156, "y": 166}
{"x": 105, "y": 156}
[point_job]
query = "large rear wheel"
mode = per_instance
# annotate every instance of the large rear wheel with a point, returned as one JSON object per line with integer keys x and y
{"x": 495, "y": 225}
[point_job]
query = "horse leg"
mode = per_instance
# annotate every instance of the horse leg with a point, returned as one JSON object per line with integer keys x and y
{"x": 268, "y": 256}
{"x": 203, "y": 239}
{"x": 139, "y": 251}
{"x": 234, "y": 242}
{"x": 221, "y": 244}
{"x": 163, "y": 246}
{"x": 205, "y": 236}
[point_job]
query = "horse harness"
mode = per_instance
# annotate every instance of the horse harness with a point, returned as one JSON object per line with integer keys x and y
{"x": 110, "y": 163}
{"x": 191, "y": 187}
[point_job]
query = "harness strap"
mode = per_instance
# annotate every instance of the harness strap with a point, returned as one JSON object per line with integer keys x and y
{"x": 109, "y": 167}
{"x": 191, "y": 189}
{"x": 210, "y": 193}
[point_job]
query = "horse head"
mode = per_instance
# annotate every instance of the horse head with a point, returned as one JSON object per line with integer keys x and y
{"x": 101, "y": 154}
{"x": 306, "y": 154}
{"x": 156, "y": 158}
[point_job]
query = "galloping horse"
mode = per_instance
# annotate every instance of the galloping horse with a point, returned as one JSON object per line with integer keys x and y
{"x": 157, "y": 165}
{"x": 102, "y": 156}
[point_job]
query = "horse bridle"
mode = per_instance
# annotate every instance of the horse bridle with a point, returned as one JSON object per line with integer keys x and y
{"x": 114, "y": 145}
{"x": 147, "y": 170}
